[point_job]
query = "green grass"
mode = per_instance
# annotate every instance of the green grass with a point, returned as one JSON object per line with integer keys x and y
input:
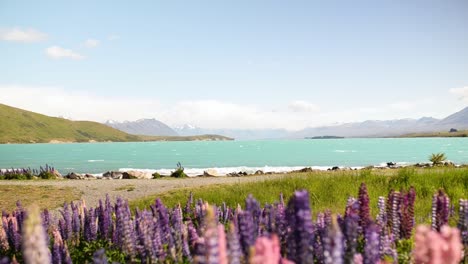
{"x": 128, "y": 188}
{"x": 21, "y": 126}
{"x": 330, "y": 190}
{"x": 43, "y": 196}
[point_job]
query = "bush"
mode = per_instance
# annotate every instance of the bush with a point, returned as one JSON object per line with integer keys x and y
{"x": 46, "y": 175}
{"x": 437, "y": 158}
{"x": 179, "y": 172}
{"x": 156, "y": 175}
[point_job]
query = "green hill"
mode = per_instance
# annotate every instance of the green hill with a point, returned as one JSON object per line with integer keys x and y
{"x": 21, "y": 126}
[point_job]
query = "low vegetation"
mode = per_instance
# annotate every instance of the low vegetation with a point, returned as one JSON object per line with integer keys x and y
{"x": 328, "y": 190}
{"x": 437, "y": 158}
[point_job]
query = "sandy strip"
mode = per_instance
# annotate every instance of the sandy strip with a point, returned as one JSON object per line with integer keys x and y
{"x": 93, "y": 190}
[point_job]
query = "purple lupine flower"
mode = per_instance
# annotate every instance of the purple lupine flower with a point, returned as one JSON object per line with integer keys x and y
{"x": 253, "y": 206}
{"x": 382, "y": 216}
{"x": 333, "y": 245}
{"x": 364, "y": 209}
{"x": 76, "y": 221}
{"x": 90, "y": 228}
{"x": 105, "y": 222}
{"x": 160, "y": 212}
{"x": 394, "y": 202}
{"x": 246, "y": 231}
{"x": 351, "y": 233}
{"x": 176, "y": 231}
{"x": 234, "y": 247}
{"x": 463, "y": 221}
{"x": 407, "y": 213}
{"x": 157, "y": 243}
{"x": 67, "y": 222}
{"x": 60, "y": 252}
{"x": 440, "y": 210}
{"x": 372, "y": 247}
{"x": 144, "y": 228}
{"x": 35, "y": 249}
{"x": 99, "y": 257}
{"x": 126, "y": 239}
{"x": 280, "y": 222}
{"x": 301, "y": 236}
{"x": 185, "y": 243}
{"x": 14, "y": 236}
{"x": 386, "y": 247}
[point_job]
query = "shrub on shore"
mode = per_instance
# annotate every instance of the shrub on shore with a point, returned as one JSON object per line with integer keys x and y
{"x": 179, "y": 172}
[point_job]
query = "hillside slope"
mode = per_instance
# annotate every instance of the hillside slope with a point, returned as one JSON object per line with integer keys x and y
{"x": 21, "y": 126}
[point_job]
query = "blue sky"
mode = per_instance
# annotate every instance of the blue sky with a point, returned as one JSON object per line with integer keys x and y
{"x": 224, "y": 64}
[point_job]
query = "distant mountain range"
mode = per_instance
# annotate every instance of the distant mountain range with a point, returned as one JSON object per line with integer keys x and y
{"x": 389, "y": 128}
{"x": 369, "y": 128}
{"x": 150, "y": 127}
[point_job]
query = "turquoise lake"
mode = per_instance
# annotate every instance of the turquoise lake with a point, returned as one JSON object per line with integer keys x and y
{"x": 276, "y": 155}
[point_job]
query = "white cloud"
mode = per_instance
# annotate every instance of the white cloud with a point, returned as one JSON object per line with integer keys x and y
{"x": 57, "y": 52}
{"x": 462, "y": 93}
{"x": 22, "y": 35}
{"x": 84, "y": 105}
{"x": 113, "y": 37}
{"x": 303, "y": 106}
{"x": 91, "y": 43}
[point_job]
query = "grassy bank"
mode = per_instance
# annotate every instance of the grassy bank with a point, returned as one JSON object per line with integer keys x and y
{"x": 331, "y": 189}
{"x": 43, "y": 196}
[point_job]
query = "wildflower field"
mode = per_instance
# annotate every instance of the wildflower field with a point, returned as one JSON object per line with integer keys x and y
{"x": 285, "y": 231}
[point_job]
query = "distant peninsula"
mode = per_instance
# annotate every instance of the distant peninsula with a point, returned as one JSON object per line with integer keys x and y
{"x": 324, "y": 137}
{"x": 21, "y": 126}
{"x": 460, "y": 133}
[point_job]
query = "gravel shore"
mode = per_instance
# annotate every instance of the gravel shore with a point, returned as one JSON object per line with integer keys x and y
{"x": 93, "y": 190}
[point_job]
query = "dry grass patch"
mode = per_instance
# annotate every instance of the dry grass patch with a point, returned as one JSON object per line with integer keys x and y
{"x": 44, "y": 196}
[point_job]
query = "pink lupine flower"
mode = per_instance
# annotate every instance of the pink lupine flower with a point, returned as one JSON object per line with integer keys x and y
{"x": 433, "y": 247}
{"x": 267, "y": 251}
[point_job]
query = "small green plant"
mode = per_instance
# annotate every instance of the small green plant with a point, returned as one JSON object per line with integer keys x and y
{"x": 437, "y": 158}
{"x": 46, "y": 175}
{"x": 156, "y": 175}
{"x": 179, "y": 172}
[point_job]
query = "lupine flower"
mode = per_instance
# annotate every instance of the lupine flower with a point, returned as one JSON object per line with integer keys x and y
{"x": 60, "y": 252}
{"x": 124, "y": 225}
{"x": 364, "y": 209}
{"x": 67, "y": 222}
{"x": 300, "y": 238}
{"x": 234, "y": 247}
{"x": 35, "y": 249}
{"x": 267, "y": 251}
{"x": 394, "y": 202}
{"x": 432, "y": 247}
{"x": 351, "y": 233}
{"x": 333, "y": 245}
{"x": 440, "y": 210}
{"x": 382, "y": 219}
{"x": 246, "y": 231}
{"x": 14, "y": 236}
{"x": 372, "y": 247}
{"x": 99, "y": 257}
{"x": 407, "y": 213}
{"x": 463, "y": 222}
{"x": 3, "y": 239}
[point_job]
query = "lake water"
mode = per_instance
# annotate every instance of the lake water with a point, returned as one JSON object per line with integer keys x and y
{"x": 229, "y": 156}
